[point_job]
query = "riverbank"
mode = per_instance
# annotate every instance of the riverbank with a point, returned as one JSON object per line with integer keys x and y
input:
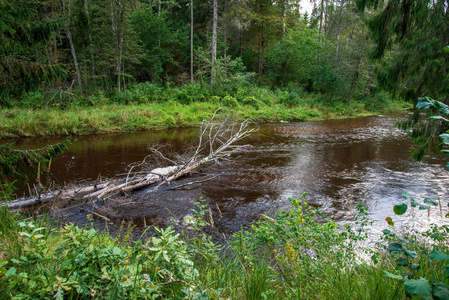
{"x": 108, "y": 115}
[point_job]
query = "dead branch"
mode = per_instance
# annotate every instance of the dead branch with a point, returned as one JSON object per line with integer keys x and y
{"x": 215, "y": 140}
{"x": 190, "y": 183}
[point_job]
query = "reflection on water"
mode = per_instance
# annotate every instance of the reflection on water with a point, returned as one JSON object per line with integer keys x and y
{"x": 339, "y": 163}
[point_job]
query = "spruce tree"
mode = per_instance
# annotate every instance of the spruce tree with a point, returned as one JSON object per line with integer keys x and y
{"x": 411, "y": 36}
{"x": 24, "y": 30}
{"x": 22, "y": 165}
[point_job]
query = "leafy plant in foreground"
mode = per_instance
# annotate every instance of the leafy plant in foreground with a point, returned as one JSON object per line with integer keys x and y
{"x": 422, "y": 273}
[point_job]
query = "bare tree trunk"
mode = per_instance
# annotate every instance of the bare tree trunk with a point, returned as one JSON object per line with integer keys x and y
{"x": 225, "y": 33}
{"x": 284, "y": 17}
{"x": 114, "y": 26}
{"x": 340, "y": 21}
{"x": 261, "y": 49}
{"x": 92, "y": 60}
{"x": 214, "y": 42}
{"x": 72, "y": 50}
{"x": 321, "y": 18}
{"x": 191, "y": 42}
{"x": 159, "y": 10}
{"x": 120, "y": 45}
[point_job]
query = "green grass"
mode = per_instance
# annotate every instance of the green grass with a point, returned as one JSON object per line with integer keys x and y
{"x": 148, "y": 106}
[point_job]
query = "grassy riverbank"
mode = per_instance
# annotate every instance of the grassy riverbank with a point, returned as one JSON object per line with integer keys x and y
{"x": 294, "y": 254}
{"x": 148, "y": 106}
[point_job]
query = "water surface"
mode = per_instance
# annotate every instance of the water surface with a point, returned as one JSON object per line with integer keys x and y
{"x": 339, "y": 163}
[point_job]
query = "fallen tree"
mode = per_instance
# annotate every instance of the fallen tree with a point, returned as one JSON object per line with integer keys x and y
{"x": 216, "y": 140}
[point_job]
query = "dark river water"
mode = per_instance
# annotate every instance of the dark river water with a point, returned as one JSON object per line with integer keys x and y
{"x": 339, "y": 163}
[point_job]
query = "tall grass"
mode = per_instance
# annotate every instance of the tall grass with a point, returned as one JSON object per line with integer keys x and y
{"x": 146, "y": 106}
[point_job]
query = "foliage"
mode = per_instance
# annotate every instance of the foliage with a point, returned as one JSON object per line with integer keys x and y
{"x": 146, "y": 105}
{"x": 25, "y": 164}
{"x": 431, "y": 133}
{"x": 163, "y": 41}
{"x": 22, "y": 32}
{"x": 411, "y": 36}
{"x": 423, "y": 272}
{"x": 71, "y": 53}
{"x": 295, "y": 59}
{"x": 293, "y": 254}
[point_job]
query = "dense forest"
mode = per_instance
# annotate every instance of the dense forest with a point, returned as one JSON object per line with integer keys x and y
{"x": 53, "y": 51}
{"x": 91, "y": 66}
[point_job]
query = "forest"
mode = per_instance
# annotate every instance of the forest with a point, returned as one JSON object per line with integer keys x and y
{"x": 78, "y": 67}
{"x": 89, "y": 52}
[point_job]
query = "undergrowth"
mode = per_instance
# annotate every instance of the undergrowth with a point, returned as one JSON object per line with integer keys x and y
{"x": 294, "y": 254}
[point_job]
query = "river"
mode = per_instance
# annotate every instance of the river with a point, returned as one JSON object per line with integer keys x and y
{"x": 339, "y": 163}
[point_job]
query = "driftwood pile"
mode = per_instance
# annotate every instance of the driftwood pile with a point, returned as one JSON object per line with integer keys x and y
{"x": 216, "y": 140}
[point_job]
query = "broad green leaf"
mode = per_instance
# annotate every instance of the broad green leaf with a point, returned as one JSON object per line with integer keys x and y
{"x": 441, "y": 291}
{"x": 439, "y": 118}
{"x": 402, "y": 262}
{"x": 446, "y": 49}
{"x": 116, "y": 251}
{"x": 395, "y": 248}
{"x": 420, "y": 287}
{"x": 415, "y": 267}
{"x": 430, "y": 201}
{"x": 11, "y": 272}
{"x": 445, "y": 137}
{"x": 424, "y": 103}
{"x": 412, "y": 254}
{"x": 391, "y": 275}
{"x": 442, "y": 108}
{"x": 438, "y": 256}
{"x": 447, "y": 270}
{"x": 400, "y": 209}
{"x": 413, "y": 203}
{"x": 386, "y": 231}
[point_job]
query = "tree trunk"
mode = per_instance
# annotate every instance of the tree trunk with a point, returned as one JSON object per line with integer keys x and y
{"x": 225, "y": 33}
{"x": 261, "y": 49}
{"x": 120, "y": 46}
{"x": 72, "y": 50}
{"x": 92, "y": 60}
{"x": 115, "y": 39}
{"x": 284, "y": 16}
{"x": 340, "y": 21}
{"x": 214, "y": 42}
{"x": 321, "y": 18}
{"x": 191, "y": 41}
{"x": 356, "y": 76}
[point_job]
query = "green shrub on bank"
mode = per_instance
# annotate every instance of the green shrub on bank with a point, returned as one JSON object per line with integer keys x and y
{"x": 81, "y": 263}
{"x": 295, "y": 254}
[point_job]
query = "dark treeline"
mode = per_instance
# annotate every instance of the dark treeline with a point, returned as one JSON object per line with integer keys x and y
{"x": 343, "y": 50}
